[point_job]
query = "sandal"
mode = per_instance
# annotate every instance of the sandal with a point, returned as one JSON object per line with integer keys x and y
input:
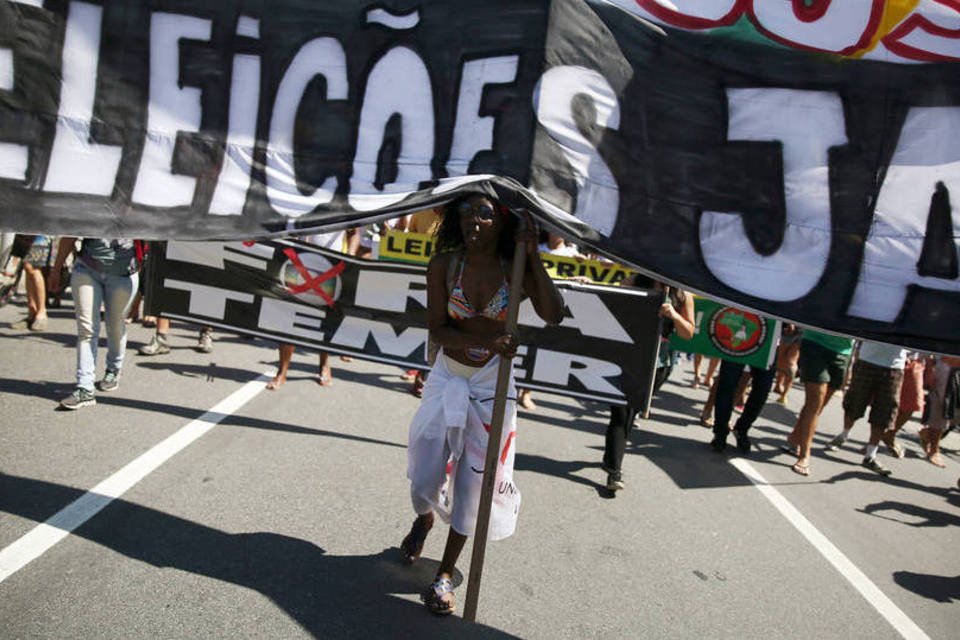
{"x": 434, "y": 599}
{"x": 801, "y": 468}
{"x": 412, "y": 545}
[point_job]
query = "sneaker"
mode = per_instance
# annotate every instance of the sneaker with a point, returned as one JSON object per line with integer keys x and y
{"x": 614, "y": 481}
{"x": 835, "y": 443}
{"x": 78, "y": 399}
{"x": 158, "y": 345}
{"x": 110, "y": 382}
{"x": 873, "y": 465}
{"x": 205, "y": 340}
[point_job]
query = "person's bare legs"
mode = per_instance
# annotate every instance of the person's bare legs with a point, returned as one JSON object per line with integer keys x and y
{"x": 740, "y": 395}
{"x": 451, "y": 553}
{"x": 36, "y": 294}
{"x": 803, "y": 431}
{"x": 932, "y": 442}
{"x": 706, "y": 415}
{"x": 326, "y": 372}
{"x": 286, "y": 355}
{"x": 526, "y": 400}
{"x": 711, "y": 370}
{"x": 697, "y": 361}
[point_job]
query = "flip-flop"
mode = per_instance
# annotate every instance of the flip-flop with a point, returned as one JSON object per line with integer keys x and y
{"x": 273, "y": 385}
{"x": 801, "y": 468}
{"x": 325, "y": 381}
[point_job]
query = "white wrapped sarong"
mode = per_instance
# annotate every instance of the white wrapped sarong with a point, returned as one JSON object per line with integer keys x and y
{"x": 447, "y": 448}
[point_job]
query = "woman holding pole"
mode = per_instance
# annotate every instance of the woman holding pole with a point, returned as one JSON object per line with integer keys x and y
{"x": 468, "y": 288}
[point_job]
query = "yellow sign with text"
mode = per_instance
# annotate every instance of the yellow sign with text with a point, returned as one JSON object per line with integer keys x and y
{"x": 401, "y": 246}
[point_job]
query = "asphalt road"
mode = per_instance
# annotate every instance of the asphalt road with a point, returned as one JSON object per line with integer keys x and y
{"x": 279, "y": 516}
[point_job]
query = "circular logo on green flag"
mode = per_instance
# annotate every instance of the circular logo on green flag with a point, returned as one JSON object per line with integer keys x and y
{"x": 737, "y": 333}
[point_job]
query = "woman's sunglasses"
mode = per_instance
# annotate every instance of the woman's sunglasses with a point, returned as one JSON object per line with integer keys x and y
{"x": 479, "y": 211}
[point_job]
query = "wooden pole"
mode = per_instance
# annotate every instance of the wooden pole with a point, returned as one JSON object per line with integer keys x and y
{"x": 493, "y": 441}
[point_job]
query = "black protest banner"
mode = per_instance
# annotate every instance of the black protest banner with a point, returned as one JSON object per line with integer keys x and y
{"x": 605, "y": 349}
{"x": 791, "y": 158}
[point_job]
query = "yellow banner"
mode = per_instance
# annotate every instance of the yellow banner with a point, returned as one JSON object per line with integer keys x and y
{"x": 566, "y": 268}
{"x": 401, "y": 246}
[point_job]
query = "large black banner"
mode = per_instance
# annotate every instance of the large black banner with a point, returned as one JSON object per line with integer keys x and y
{"x": 792, "y": 157}
{"x": 605, "y": 349}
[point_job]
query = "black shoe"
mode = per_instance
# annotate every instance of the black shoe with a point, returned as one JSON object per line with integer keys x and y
{"x": 614, "y": 481}
{"x": 743, "y": 442}
{"x": 718, "y": 444}
{"x": 873, "y": 465}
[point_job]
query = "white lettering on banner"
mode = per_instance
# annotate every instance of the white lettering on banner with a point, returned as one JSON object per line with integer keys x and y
{"x": 795, "y": 268}
{"x": 931, "y": 34}
{"x": 320, "y": 57}
{"x": 215, "y": 254}
{"x": 474, "y": 133}
{"x": 587, "y": 314}
{"x": 823, "y": 25}
{"x": 234, "y": 179}
{"x": 924, "y": 157}
{"x": 354, "y": 332}
{"x": 173, "y": 108}
{"x": 207, "y": 301}
{"x": 598, "y": 195}
{"x": 389, "y": 291}
{"x": 290, "y": 318}
{"x": 554, "y": 367}
{"x": 78, "y": 165}
{"x": 399, "y": 84}
{"x": 14, "y": 158}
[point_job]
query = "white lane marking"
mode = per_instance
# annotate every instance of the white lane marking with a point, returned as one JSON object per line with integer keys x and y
{"x": 884, "y": 605}
{"x": 42, "y": 537}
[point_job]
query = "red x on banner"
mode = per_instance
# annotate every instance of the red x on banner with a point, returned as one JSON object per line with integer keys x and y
{"x": 310, "y": 282}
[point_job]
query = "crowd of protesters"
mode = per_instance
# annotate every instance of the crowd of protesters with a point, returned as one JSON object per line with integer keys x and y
{"x": 104, "y": 277}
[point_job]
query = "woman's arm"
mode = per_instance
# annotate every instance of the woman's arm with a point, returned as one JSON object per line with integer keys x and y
{"x": 65, "y": 249}
{"x": 683, "y": 321}
{"x": 546, "y": 299}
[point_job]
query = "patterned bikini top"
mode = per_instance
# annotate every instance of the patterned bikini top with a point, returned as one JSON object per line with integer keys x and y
{"x": 459, "y": 308}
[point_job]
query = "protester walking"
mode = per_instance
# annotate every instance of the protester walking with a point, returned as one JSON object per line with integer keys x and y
{"x": 728, "y": 379}
{"x": 823, "y": 366}
{"x": 468, "y": 287}
{"x": 104, "y": 273}
{"x": 875, "y": 382}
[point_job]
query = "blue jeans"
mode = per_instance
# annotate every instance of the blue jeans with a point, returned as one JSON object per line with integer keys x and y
{"x": 90, "y": 290}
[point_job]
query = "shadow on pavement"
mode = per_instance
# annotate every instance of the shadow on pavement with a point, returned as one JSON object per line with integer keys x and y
{"x": 915, "y": 516}
{"x": 55, "y": 391}
{"x": 208, "y": 372}
{"x": 938, "y": 588}
{"x": 329, "y": 596}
